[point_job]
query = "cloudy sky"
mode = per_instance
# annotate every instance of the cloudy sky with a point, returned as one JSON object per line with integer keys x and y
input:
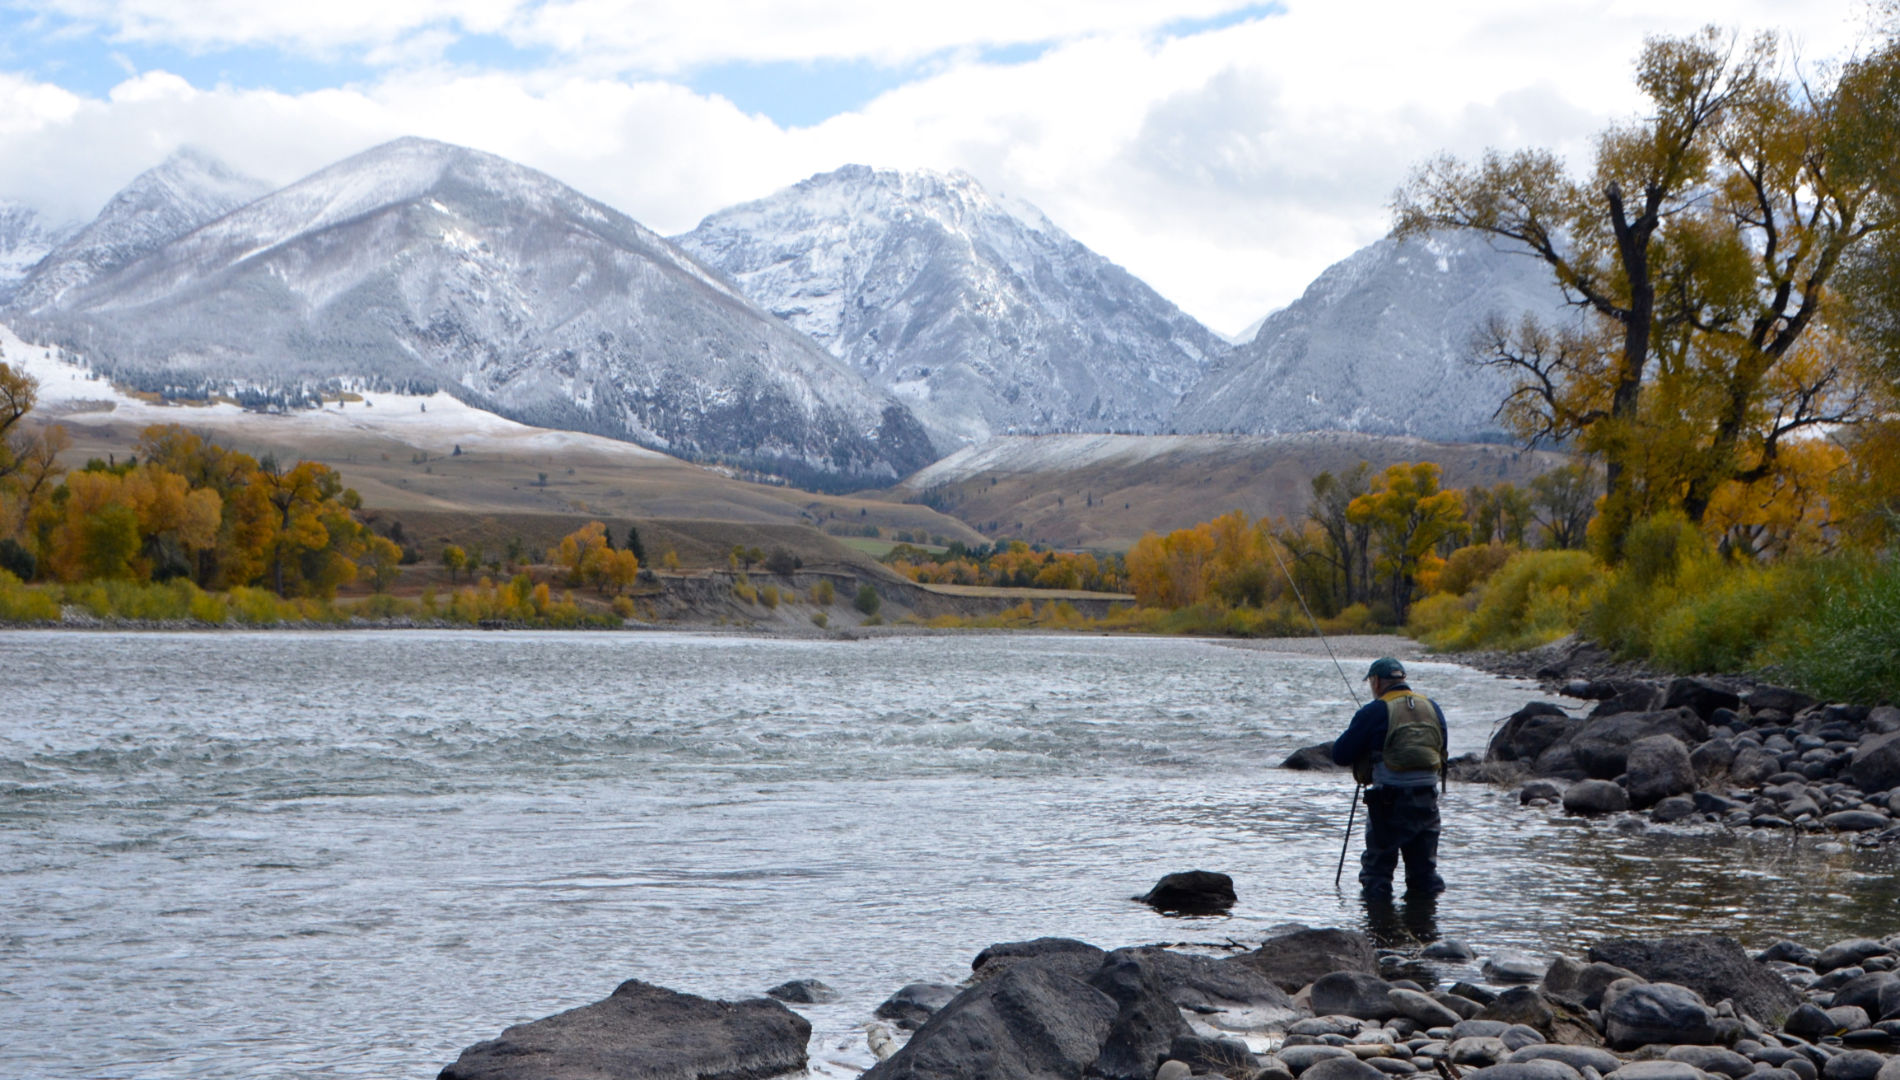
{"x": 1225, "y": 151}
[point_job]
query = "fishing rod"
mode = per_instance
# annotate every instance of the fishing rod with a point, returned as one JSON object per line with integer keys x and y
{"x": 1353, "y": 813}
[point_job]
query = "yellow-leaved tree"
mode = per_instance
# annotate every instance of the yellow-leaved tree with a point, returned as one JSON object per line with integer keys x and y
{"x": 1409, "y": 515}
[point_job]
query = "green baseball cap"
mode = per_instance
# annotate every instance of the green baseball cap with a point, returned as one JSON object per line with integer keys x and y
{"x": 1385, "y": 668}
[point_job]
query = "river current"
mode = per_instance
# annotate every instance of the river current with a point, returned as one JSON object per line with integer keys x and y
{"x": 353, "y": 854}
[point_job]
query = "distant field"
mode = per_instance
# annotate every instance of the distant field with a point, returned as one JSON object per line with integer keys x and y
{"x": 877, "y": 548}
{"x": 994, "y": 592}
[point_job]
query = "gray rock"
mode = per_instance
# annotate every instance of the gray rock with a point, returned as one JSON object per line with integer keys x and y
{"x": 1577, "y": 1057}
{"x": 1713, "y": 1059}
{"x": 1296, "y": 959}
{"x": 1175, "y": 1070}
{"x": 1301, "y": 1058}
{"x": 1076, "y": 958}
{"x": 1519, "y": 1005}
{"x": 1647, "y": 1013}
{"x": 1518, "y": 1036}
{"x": 1848, "y": 1017}
{"x": 1353, "y": 993}
{"x": 1778, "y": 698}
{"x": 1595, "y": 797}
{"x": 1702, "y": 695}
{"x": 1312, "y": 759}
{"x": 1848, "y": 953}
{"x": 1391, "y": 1066}
{"x": 1561, "y": 976}
{"x": 1422, "y": 1010}
{"x": 644, "y": 1031}
{"x": 1477, "y": 1050}
{"x": 1596, "y": 977}
{"x": 1854, "y": 1065}
{"x": 915, "y": 1003}
{"x": 1603, "y": 745}
{"x": 1535, "y": 1069}
{"x": 1866, "y": 991}
{"x": 1191, "y": 892}
{"x": 1889, "y": 1071}
{"x": 1809, "y": 1021}
{"x": 1630, "y": 697}
{"x": 1478, "y": 1029}
{"x": 1713, "y": 758}
{"x": 1341, "y": 1068}
{"x": 1272, "y": 1068}
{"x": 1752, "y": 765}
{"x": 803, "y": 992}
{"x": 1658, "y": 1070}
{"x": 1147, "y": 1023}
{"x": 1213, "y": 1055}
{"x": 1326, "y": 1025}
{"x": 1204, "y": 982}
{"x": 1530, "y": 731}
{"x": 1658, "y": 767}
{"x": 1775, "y": 1074}
{"x": 1448, "y": 949}
{"x": 1792, "y": 952}
{"x": 1876, "y": 763}
{"x": 1712, "y": 965}
{"x": 1547, "y": 790}
{"x": 1508, "y": 966}
{"x": 1465, "y": 1007}
{"x": 1672, "y": 809}
{"x": 1029, "y": 1022}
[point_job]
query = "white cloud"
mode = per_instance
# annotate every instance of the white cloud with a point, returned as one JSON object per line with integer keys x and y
{"x": 1226, "y": 168}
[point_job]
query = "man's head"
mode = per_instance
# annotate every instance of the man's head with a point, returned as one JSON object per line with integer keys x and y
{"x": 1385, "y": 672}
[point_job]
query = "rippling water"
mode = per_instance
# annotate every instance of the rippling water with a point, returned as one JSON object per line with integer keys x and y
{"x": 352, "y": 854}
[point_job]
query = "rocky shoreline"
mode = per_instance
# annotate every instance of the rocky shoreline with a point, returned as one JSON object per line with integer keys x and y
{"x": 1312, "y": 1004}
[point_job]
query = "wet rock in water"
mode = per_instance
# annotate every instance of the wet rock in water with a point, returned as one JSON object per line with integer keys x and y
{"x": 1875, "y": 766}
{"x": 1530, "y": 731}
{"x": 1713, "y": 1059}
{"x": 1704, "y": 696}
{"x": 1302, "y": 1058}
{"x": 1647, "y": 1013}
{"x": 1603, "y": 746}
{"x": 1298, "y": 958}
{"x": 1312, "y": 759}
{"x": 1789, "y": 952}
{"x": 1342, "y": 1068}
{"x": 1421, "y": 1009}
{"x": 1538, "y": 1069}
{"x": 1577, "y": 1057}
{"x": 1077, "y": 959}
{"x": 1673, "y": 809}
{"x": 644, "y": 1031}
{"x": 1596, "y": 797}
{"x": 1353, "y": 993}
{"x": 1213, "y": 1055}
{"x": 1191, "y": 892}
{"x": 1449, "y": 949}
{"x": 1847, "y": 953}
{"x": 803, "y": 992}
{"x": 1547, "y": 790}
{"x": 1854, "y": 1065}
{"x": 914, "y": 1004}
{"x": 1508, "y": 966}
{"x": 1029, "y": 1022}
{"x": 1867, "y": 991}
{"x": 1658, "y": 767}
{"x": 1712, "y": 965}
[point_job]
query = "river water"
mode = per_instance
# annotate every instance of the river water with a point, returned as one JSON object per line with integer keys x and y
{"x": 353, "y": 854}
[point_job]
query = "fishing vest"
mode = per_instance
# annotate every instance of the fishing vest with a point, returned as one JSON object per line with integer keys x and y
{"x": 1413, "y": 741}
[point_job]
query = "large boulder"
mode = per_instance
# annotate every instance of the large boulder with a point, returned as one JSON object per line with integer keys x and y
{"x": 1529, "y": 731}
{"x": 1702, "y": 695}
{"x": 1077, "y": 959}
{"x": 1752, "y": 766}
{"x": 1147, "y": 1024}
{"x": 1643, "y": 1013}
{"x": 1353, "y": 993}
{"x": 915, "y": 1003}
{"x": 1658, "y": 767}
{"x": 1779, "y": 698}
{"x": 644, "y": 1032}
{"x": 1297, "y": 958}
{"x": 1603, "y": 744}
{"x": 1596, "y": 797}
{"x": 1711, "y": 965}
{"x": 1713, "y": 758}
{"x": 1876, "y": 763}
{"x": 1312, "y": 759}
{"x": 1207, "y": 982}
{"x": 1191, "y": 892}
{"x": 1625, "y": 696}
{"x": 1029, "y": 1023}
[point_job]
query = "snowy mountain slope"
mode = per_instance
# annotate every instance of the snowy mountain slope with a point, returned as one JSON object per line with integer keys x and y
{"x": 971, "y": 308}
{"x": 25, "y": 239}
{"x": 186, "y": 190}
{"x": 422, "y": 264}
{"x": 1379, "y": 344}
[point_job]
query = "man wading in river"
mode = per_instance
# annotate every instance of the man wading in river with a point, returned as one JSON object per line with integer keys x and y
{"x": 1396, "y": 744}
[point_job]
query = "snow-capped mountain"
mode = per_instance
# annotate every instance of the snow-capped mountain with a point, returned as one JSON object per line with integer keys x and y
{"x": 426, "y": 264}
{"x": 25, "y": 239}
{"x": 186, "y": 190}
{"x": 1379, "y": 343}
{"x": 973, "y": 309}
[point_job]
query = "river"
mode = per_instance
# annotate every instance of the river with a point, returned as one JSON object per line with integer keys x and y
{"x": 352, "y": 854}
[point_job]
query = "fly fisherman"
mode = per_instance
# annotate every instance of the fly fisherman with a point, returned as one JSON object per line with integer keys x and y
{"x": 1396, "y": 744}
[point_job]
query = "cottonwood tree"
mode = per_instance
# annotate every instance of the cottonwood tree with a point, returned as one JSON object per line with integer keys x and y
{"x": 1409, "y": 515}
{"x": 1701, "y": 252}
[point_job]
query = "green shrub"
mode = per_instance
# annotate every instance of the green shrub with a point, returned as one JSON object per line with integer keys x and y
{"x": 868, "y": 601}
{"x": 820, "y": 619}
{"x": 23, "y": 603}
{"x": 1846, "y": 646}
{"x": 769, "y": 596}
{"x": 1537, "y": 597}
{"x": 1664, "y": 560}
{"x": 1721, "y": 625}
